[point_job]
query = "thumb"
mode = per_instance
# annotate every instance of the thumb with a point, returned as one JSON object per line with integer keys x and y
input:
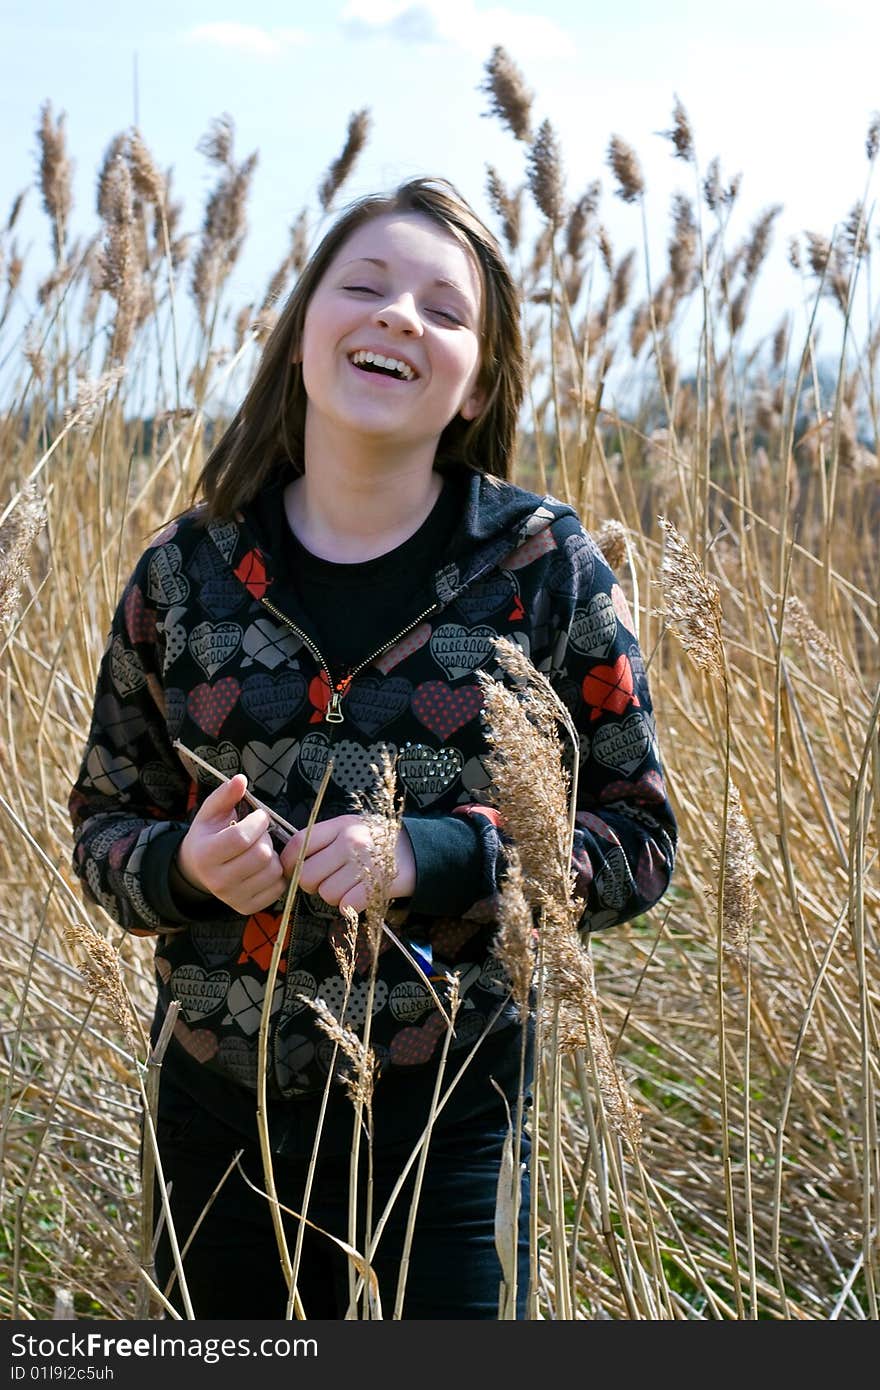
{"x": 222, "y": 801}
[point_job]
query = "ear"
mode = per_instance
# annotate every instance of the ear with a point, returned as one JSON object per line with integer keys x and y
{"x": 473, "y": 404}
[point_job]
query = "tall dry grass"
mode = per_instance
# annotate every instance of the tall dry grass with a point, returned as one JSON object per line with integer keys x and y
{"x": 707, "y": 1107}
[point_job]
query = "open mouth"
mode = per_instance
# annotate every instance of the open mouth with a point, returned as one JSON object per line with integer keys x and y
{"x": 383, "y": 366}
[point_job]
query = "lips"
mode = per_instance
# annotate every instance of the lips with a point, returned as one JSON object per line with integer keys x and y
{"x": 378, "y": 363}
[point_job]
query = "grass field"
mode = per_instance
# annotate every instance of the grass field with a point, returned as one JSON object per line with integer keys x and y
{"x": 735, "y": 1173}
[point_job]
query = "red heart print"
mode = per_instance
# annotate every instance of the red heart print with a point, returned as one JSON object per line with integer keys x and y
{"x": 404, "y": 648}
{"x": 445, "y": 711}
{"x": 140, "y": 621}
{"x": 411, "y": 1046}
{"x": 209, "y": 705}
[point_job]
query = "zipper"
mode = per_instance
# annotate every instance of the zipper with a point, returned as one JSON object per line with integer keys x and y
{"x": 333, "y": 713}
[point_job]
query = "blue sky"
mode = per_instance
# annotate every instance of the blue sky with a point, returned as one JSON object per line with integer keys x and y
{"x": 781, "y": 91}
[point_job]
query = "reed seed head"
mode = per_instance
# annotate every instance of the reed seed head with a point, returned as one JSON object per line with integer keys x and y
{"x": 148, "y": 182}
{"x": 360, "y": 1080}
{"x": 529, "y": 782}
{"x": 611, "y": 540}
{"x": 17, "y": 536}
{"x": 681, "y": 135}
{"x": 515, "y": 942}
{"x": 683, "y": 244}
{"x": 120, "y": 271}
{"x": 758, "y": 243}
{"x": 579, "y": 220}
{"x": 506, "y": 206}
{"x": 90, "y": 392}
{"x": 545, "y": 174}
{"x": 98, "y": 964}
{"x": 739, "y": 897}
{"x": 299, "y": 242}
{"x": 340, "y": 169}
{"x": 17, "y": 205}
{"x": 626, "y": 169}
{"x": 55, "y": 175}
{"x": 693, "y": 604}
{"x": 218, "y": 141}
{"x": 509, "y": 97}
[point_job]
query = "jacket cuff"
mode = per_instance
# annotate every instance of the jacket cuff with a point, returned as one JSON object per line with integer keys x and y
{"x": 450, "y": 871}
{"x": 166, "y": 890}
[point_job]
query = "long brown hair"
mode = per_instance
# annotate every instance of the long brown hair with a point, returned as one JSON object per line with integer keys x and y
{"x": 265, "y": 439}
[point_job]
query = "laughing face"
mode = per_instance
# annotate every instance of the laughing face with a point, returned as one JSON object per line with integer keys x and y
{"x": 391, "y": 339}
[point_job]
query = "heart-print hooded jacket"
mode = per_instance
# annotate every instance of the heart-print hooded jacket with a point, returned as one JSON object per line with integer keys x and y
{"x": 209, "y": 647}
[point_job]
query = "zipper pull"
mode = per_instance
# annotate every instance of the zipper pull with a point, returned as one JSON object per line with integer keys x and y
{"x": 333, "y": 713}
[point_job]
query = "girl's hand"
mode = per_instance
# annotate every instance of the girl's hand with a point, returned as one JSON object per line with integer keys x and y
{"x": 338, "y": 858}
{"x": 233, "y": 859}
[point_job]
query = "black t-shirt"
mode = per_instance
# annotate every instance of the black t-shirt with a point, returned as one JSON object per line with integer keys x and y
{"x": 353, "y": 610}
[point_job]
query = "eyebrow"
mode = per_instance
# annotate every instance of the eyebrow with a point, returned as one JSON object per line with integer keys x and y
{"x": 440, "y": 283}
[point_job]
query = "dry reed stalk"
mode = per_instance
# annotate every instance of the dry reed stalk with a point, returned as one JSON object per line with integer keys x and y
{"x": 263, "y": 1043}
{"x": 345, "y": 953}
{"x": 343, "y": 164}
{"x": 509, "y": 97}
{"x": 381, "y": 807}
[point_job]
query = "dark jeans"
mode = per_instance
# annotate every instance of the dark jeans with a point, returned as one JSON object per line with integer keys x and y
{"x": 233, "y": 1267}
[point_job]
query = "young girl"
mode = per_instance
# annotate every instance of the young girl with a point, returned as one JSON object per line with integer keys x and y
{"x": 356, "y": 552}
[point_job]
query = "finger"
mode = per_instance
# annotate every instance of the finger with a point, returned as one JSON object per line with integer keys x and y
{"x": 334, "y": 888}
{"x": 220, "y": 804}
{"x": 259, "y": 858}
{"x": 322, "y": 834}
{"x": 235, "y": 840}
{"x": 318, "y": 867}
{"x": 267, "y": 884}
{"x": 355, "y": 898}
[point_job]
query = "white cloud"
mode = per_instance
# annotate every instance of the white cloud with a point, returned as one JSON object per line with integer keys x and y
{"x": 247, "y": 38}
{"x": 458, "y": 24}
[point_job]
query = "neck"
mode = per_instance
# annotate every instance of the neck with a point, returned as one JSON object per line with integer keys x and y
{"x": 354, "y": 504}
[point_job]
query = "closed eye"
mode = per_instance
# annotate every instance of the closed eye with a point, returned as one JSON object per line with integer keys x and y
{"x": 444, "y": 314}
{"x": 360, "y": 289}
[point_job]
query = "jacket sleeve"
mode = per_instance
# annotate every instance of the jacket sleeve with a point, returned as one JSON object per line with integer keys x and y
{"x": 130, "y": 798}
{"x": 625, "y": 828}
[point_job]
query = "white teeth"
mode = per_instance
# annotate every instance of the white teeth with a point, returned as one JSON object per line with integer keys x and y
{"x": 390, "y": 364}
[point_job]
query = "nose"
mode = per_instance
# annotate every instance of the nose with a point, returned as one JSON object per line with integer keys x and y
{"x": 400, "y": 315}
